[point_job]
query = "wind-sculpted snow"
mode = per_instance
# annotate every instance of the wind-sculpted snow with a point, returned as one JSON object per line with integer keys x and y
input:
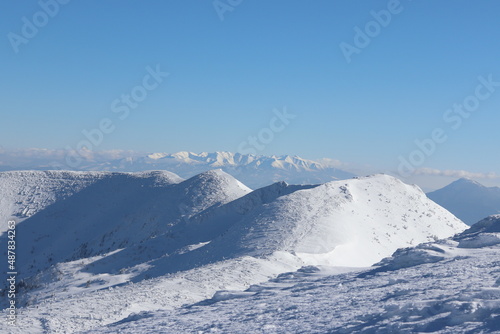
{"x": 482, "y": 234}
{"x": 435, "y": 287}
{"x": 128, "y": 243}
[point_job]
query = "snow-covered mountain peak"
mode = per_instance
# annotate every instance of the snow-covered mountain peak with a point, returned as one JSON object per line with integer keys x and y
{"x": 254, "y": 171}
{"x": 363, "y": 218}
{"x": 466, "y": 182}
{"x": 468, "y": 200}
{"x": 156, "y": 156}
{"x": 220, "y": 159}
{"x": 215, "y": 159}
{"x": 344, "y": 223}
{"x": 216, "y": 178}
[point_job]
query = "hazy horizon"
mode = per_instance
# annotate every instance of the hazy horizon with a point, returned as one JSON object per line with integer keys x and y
{"x": 402, "y": 87}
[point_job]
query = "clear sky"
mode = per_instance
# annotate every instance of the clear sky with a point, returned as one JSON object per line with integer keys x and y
{"x": 364, "y": 79}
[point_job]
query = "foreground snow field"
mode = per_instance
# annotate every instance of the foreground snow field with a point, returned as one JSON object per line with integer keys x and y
{"x": 448, "y": 286}
{"x": 116, "y": 246}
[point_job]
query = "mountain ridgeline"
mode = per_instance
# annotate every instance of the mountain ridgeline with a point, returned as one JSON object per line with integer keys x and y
{"x": 104, "y": 239}
{"x": 254, "y": 171}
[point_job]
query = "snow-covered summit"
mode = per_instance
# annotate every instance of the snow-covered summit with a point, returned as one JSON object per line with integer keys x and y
{"x": 344, "y": 223}
{"x": 465, "y": 182}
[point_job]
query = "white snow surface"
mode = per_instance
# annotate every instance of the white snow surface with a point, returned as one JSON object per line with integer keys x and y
{"x": 129, "y": 246}
{"x": 24, "y": 193}
{"x": 438, "y": 287}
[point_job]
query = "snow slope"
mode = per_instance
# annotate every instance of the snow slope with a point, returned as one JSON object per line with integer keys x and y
{"x": 128, "y": 244}
{"x": 344, "y": 223}
{"x": 119, "y": 211}
{"x": 24, "y": 193}
{"x": 468, "y": 200}
{"x": 447, "y": 286}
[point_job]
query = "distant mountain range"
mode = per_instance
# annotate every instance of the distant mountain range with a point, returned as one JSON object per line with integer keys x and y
{"x": 468, "y": 200}
{"x": 254, "y": 171}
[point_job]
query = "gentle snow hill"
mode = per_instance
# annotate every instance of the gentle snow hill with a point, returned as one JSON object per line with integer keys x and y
{"x": 343, "y": 223}
{"x": 468, "y": 200}
{"x": 217, "y": 219}
{"x": 447, "y": 286}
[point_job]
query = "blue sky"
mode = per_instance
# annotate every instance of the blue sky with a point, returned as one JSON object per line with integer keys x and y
{"x": 227, "y": 76}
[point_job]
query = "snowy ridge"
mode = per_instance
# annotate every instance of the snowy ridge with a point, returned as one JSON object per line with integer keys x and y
{"x": 25, "y": 193}
{"x": 131, "y": 243}
{"x": 119, "y": 211}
